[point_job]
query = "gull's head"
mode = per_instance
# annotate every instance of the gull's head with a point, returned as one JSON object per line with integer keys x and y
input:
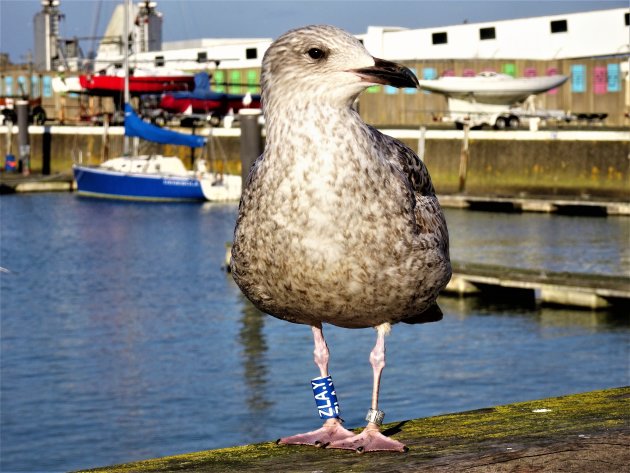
{"x": 324, "y": 64}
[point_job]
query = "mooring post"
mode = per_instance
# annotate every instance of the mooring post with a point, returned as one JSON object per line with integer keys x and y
{"x": 251, "y": 140}
{"x": 46, "y": 144}
{"x": 192, "y": 148}
{"x": 105, "y": 141}
{"x": 23, "y": 139}
{"x": 421, "y": 142}
{"x": 463, "y": 159}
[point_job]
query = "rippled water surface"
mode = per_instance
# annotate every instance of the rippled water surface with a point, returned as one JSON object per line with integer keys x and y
{"x": 123, "y": 339}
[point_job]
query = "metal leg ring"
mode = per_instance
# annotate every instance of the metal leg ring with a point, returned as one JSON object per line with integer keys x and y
{"x": 375, "y": 416}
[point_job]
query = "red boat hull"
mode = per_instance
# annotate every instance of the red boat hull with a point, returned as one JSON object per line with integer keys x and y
{"x": 219, "y": 106}
{"x": 109, "y": 85}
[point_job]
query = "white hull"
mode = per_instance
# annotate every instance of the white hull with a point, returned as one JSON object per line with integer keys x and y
{"x": 492, "y": 88}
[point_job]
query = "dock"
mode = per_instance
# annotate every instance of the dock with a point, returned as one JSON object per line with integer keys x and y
{"x": 588, "y": 432}
{"x": 558, "y": 205}
{"x": 590, "y": 291}
{"x": 12, "y": 183}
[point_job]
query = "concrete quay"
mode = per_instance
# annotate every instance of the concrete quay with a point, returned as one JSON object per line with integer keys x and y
{"x": 20, "y": 184}
{"x": 587, "y": 433}
{"x": 567, "y": 164}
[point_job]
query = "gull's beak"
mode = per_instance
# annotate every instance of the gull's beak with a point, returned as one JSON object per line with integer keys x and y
{"x": 388, "y": 73}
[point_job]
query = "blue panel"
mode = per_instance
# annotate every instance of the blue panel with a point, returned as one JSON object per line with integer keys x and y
{"x": 578, "y": 78}
{"x": 8, "y": 85}
{"x": 613, "y": 83}
{"x": 409, "y": 90}
{"x": 429, "y": 73}
{"x": 22, "y": 88}
{"x": 35, "y": 82}
{"x": 47, "y": 86}
{"x": 390, "y": 90}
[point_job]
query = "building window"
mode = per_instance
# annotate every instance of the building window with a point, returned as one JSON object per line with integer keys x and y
{"x": 626, "y": 17}
{"x": 202, "y": 56}
{"x": 440, "y": 38}
{"x": 559, "y": 26}
{"x": 487, "y": 33}
{"x": 159, "y": 61}
{"x": 251, "y": 53}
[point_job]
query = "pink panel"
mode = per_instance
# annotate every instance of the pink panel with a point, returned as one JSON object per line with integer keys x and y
{"x": 552, "y": 71}
{"x": 600, "y": 80}
{"x": 530, "y": 72}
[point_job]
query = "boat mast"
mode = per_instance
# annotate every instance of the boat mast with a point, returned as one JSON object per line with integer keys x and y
{"x": 126, "y": 66}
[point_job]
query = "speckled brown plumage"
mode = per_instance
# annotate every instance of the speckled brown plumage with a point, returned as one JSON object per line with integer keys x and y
{"x": 338, "y": 223}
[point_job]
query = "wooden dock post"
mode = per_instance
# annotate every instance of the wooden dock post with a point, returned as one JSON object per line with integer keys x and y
{"x": 23, "y": 138}
{"x": 46, "y": 155}
{"x": 463, "y": 159}
{"x": 422, "y": 142}
{"x": 251, "y": 140}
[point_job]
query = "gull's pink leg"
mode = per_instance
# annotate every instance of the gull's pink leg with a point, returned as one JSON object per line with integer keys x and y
{"x": 332, "y": 430}
{"x": 371, "y": 439}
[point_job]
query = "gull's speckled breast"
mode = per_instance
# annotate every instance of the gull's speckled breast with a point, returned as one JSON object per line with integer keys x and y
{"x": 338, "y": 223}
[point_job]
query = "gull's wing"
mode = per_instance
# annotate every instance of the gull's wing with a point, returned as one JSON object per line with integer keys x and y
{"x": 407, "y": 162}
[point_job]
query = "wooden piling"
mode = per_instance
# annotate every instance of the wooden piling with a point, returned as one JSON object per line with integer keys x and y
{"x": 22, "y": 108}
{"x": 463, "y": 159}
{"x": 251, "y": 140}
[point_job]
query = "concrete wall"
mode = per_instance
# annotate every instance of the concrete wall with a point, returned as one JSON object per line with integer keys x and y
{"x": 92, "y": 148}
{"x": 584, "y": 168}
{"x": 500, "y": 163}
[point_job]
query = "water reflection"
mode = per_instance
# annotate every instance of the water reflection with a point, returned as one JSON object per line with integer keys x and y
{"x": 254, "y": 349}
{"x": 541, "y": 241}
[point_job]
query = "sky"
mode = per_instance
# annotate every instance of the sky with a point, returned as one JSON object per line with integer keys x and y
{"x": 192, "y": 19}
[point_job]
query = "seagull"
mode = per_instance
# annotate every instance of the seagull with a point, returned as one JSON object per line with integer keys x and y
{"x": 338, "y": 223}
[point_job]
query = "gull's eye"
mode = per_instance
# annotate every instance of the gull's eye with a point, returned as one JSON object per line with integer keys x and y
{"x": 316, "y": 53}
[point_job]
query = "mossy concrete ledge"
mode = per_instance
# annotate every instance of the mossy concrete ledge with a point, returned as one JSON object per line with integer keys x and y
{"x": 587, "y": 432}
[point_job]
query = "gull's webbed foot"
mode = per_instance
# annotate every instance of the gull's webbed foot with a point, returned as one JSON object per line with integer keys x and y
{"x": 370, "y": 440}
{"x": 331, "y": 431}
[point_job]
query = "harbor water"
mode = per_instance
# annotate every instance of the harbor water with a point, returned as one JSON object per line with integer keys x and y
{"x": 123, "y": 339}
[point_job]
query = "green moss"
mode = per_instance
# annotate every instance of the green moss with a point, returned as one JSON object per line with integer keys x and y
{"x": 559, "y": 414}
{"x": 428, "y": 438}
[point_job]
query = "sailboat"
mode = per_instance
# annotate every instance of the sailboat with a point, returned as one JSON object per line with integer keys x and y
{"x": 153, "y": 177}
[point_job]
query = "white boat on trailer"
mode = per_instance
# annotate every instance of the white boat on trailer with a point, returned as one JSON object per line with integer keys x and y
{"x": 497, "y": 100}
{"x": 492, "y": 87}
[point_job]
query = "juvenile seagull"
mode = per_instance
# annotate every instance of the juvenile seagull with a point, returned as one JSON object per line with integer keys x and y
{"x": 338, "y": 223}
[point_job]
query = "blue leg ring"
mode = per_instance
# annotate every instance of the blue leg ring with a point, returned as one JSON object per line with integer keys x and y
{"x": 325, "y": 397}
